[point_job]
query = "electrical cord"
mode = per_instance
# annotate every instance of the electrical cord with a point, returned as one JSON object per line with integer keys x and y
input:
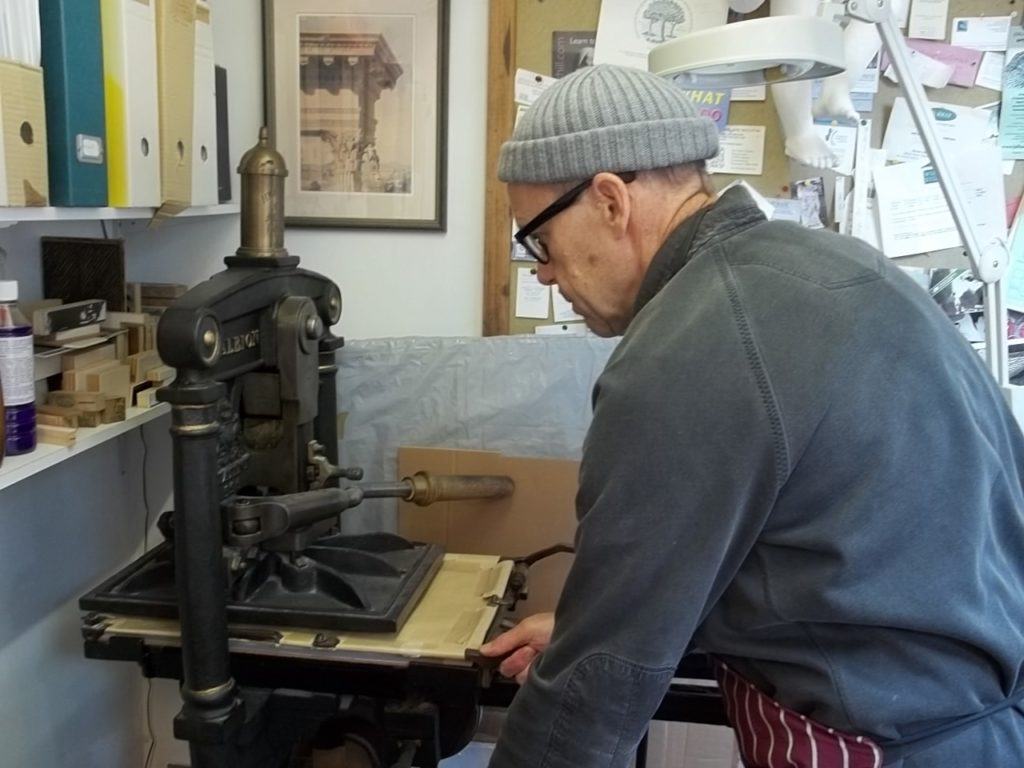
{"x": 145, "y": 549}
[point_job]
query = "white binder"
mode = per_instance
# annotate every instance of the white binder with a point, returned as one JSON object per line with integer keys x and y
{"x": 133, "y": 129}
{"x": 204, "y": 113}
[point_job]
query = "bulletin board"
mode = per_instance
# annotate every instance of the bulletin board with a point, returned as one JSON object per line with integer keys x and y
{"x": 521, "y": 37}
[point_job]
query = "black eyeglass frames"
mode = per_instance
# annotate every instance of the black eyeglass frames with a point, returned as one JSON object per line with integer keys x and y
{"x": 525, "y": 237}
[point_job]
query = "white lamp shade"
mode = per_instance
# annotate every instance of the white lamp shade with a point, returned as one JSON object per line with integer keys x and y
{"x": 770, "y": 50}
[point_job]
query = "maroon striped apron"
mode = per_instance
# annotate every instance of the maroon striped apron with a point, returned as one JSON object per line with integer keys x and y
{"x": 771, "y": 736}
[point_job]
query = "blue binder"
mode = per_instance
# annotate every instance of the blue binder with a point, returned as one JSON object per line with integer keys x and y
{"x": 72, "y": 47}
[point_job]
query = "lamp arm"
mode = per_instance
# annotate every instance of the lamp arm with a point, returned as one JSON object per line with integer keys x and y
{"x": 990, "y": 260}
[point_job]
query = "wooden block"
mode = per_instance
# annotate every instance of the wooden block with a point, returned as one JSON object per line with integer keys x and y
{"x": 141, "y": 362}
{"x": 91, "y": 418}
{"x": 117, "y": 320}
{"x": 76, "y": 399}
{"x": 121, "y": 345}
{"x": 52, "y": 420}
{"x": 116, "y": 381}
{"x": 115, "y": 410}
{"x": 66, "y": 417}
{"x": 85, "y": 357}
{"x": 160, "y": 374}
{"x": 72, "y": 381}
{"x": 146, "y": 398}
{"x": 135, "y": 292}
{"x": 136, "y": 339}
{"x": 62, "y": 397}
{"x": 163, "y": 290}
{"x": 84, "y": 408}
{"x": 55, "y": 435}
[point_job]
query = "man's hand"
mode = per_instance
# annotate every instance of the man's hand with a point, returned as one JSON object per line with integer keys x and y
{"x": 523, "y": 643}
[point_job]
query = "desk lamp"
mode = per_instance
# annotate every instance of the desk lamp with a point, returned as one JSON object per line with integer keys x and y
{"x": 787, "y": 48}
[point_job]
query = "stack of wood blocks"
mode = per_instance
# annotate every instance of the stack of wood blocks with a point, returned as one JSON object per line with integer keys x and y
{"x": 98, "y": 383}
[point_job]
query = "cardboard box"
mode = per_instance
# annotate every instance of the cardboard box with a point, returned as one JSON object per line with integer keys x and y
{"x": 540, "y": 513}
{"x": 23, "y": 164}
{"x": 175, "y": 61}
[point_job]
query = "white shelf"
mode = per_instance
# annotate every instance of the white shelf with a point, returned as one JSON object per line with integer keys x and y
{"x": 46, "y": 455}
{"x": 14, "y": 215}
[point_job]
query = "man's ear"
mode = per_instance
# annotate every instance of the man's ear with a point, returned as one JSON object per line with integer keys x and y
{"x": 611, "y": 196}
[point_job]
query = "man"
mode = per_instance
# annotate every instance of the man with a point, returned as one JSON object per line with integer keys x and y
{"x": 795, "y": 463}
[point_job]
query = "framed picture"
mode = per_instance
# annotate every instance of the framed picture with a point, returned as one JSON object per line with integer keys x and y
{"x": 356, "y": 98}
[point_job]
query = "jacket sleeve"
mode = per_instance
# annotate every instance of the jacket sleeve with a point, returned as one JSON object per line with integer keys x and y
{"x": 680, "y": 469}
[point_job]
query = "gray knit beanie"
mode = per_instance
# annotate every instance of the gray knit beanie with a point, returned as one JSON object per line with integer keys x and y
{"x": 605, "y": 118}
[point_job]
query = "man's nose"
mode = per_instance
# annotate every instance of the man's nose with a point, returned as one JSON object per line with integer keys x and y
{"x": 545, "y": 274}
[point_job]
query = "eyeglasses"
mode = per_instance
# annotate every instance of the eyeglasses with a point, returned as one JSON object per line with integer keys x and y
{"x": 531, "y": 242}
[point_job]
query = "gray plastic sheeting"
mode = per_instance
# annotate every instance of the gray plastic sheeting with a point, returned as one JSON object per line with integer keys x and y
{"x": 520, "y": 395}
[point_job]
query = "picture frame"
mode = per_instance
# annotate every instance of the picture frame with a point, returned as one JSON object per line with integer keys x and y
{"x": 356, "y": 102}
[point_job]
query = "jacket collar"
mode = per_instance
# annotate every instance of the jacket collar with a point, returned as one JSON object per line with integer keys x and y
{"x": 730, "y": 213}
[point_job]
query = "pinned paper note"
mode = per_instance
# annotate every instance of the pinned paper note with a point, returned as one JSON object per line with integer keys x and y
{"x": 868, "y": 80}
{"x": 740, "y": 151}
{"x": 1011, "y": 115}
{"x": 711, "y": 104}
{"x": 530, "y": 85}
{"x": 750, "y": 93}
{"x": 784, "y": 209}
{"x": 563, "y": 311}
{"x": 990, "y": 73}
{"x": 912, "y": 210}
{"x": 842, "y": 140}
{"x": 928, "y": 19}
{"x": 982, "y": 33}
{"x": 533, "y": 298}
{"x": 964, "y": 61}
{"x": 561, "y": 329}
{"x": 628, "y": 29}
{"x": 930, "y": 72}
{"x": 958, "y": 128}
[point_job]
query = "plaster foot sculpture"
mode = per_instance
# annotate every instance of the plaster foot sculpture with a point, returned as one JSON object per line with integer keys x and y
{"x": 860, "y": 43}
{"x": 793, "y": 103}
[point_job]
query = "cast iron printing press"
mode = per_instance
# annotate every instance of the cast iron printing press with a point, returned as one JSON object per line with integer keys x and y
{"x": 280, "y": 628}
{"x": 285, "y": 634}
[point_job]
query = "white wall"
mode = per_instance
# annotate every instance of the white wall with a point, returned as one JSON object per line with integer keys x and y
{"x": 65, "y": 529}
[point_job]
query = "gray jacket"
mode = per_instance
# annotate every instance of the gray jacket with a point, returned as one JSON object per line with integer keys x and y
{"x": 798, "y": 464}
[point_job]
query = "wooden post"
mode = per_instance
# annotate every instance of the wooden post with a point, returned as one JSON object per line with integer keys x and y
{"x": 500, "y": 119}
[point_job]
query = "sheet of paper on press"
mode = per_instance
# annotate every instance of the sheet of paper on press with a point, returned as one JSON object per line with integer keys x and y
{"x": 530, "y": 85}
{"x": 957, "y": 126}
{"x": 533, "y": 298}
{"x": 628, "y": 29}
{"x": 912, "y": 212}
{"x": 740, "y": 151}
{"x": 982, "y": 33}
{"x": 842, "y": 140}
{"x": 930, "y": 72}
{"x": 928, "y": 19}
